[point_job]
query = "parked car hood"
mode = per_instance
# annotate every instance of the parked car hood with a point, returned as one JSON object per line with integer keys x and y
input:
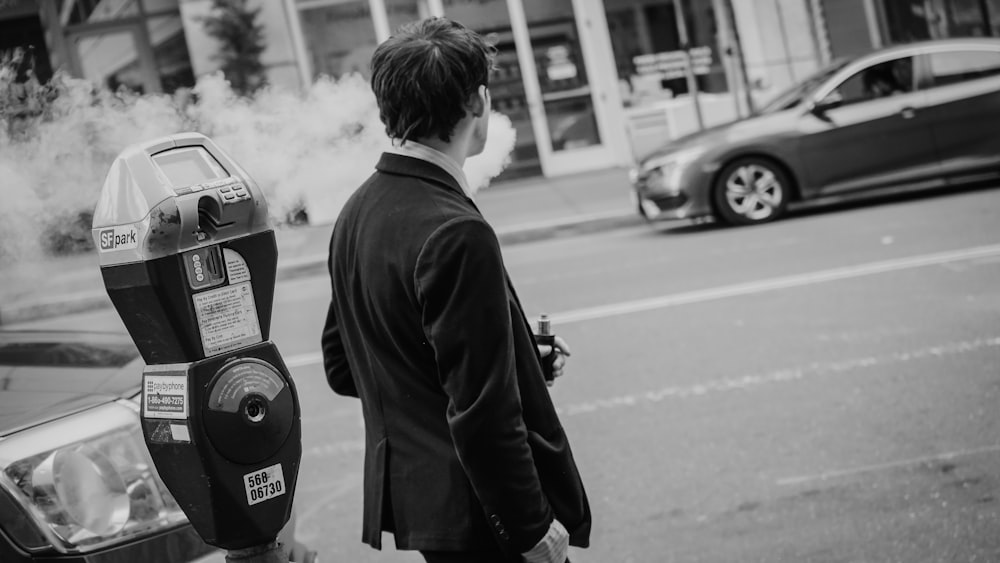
{"x": 47, "y": 375}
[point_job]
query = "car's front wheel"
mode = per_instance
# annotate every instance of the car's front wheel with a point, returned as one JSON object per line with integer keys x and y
{"x": 751, "y": 190}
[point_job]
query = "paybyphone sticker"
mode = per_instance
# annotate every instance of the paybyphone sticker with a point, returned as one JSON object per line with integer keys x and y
{"x": 164, "y": 396}
{"x": 122, "y": 237}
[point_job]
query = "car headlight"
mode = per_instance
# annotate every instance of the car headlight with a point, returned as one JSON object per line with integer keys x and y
{"x": 664, "y": 173}
{"x": 85, "y": 481}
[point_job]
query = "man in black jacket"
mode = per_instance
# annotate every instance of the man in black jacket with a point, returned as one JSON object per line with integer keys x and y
{"x": 465, "y": 458}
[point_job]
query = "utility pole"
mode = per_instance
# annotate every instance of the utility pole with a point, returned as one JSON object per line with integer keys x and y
{"x": 731, "y": 22}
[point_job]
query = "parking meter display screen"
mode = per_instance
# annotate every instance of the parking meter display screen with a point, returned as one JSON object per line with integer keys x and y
{"x": 188, "y": 166}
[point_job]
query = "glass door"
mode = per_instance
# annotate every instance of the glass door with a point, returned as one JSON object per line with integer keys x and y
{"x": 545, "y": 82}
{"x": 507, "y": 83}
{"x": 565, "y": 90}
{"x": 566, "y": 113}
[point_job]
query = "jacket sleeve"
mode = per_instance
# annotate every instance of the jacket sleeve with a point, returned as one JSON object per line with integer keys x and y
{"x": 338, "y": 372}
{"x": 462, "y": 290}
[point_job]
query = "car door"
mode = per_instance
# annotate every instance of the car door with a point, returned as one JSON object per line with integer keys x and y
{"x": 870, "y": 130}
{"x": 963, "y": 108}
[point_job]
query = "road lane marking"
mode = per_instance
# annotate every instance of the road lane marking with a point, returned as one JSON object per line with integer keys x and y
{"x": 744, "y": 382}
{"x": 302, "y": 360}
{"x": 722, "y": 292}
{"x": 335, "y": 448}
{"x": 732, "y": 383}
{"x": 723, "y": 385}
{"x": 884, "y": 466}
{"x": 772, "y": 284}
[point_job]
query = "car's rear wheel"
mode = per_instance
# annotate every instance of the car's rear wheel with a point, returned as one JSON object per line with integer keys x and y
{"x": 751, "y": 190}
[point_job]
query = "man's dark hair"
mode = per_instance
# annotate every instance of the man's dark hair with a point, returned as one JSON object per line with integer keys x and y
{"x": 424, "y": 74}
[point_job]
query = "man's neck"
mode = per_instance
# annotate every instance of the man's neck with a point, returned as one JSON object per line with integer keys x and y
{"x": 457, "y": 148}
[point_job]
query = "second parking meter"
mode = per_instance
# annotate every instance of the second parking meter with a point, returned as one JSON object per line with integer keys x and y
{"x": 189, "y": 262}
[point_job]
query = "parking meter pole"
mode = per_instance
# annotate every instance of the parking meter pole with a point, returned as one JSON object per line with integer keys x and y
{"x": 269, "y": 553}
{"x": 189, "y": 261}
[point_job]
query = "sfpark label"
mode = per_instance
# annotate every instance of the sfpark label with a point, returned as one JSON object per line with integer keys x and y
{"x": 124, "y": 237}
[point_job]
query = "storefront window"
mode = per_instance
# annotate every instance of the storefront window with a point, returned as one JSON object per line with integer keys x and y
{"x": 340, "y": 36}
{"x": 112, "y": 59}
{"x": 173, "y": 62}
{"x": 491, "y": 18}
{"x": 917, "y": 20}
{"x": 403, "y": 11}
{"x": 650, "y": 59}
{"x": 23, "y": 39}
{"x": 125, "y": 44}
{"x": 90, "y": 11}
{"x": 562, "y": 75}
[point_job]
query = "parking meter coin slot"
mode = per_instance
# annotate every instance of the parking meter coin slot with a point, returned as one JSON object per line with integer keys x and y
{"x": 211, "y": 217}
{"x": 253, "y": 407}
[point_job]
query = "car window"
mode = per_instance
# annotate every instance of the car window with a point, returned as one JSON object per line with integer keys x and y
{"x": 794, "y": 95}
{"x": 952, "y": 67}
{"x": 882, "y": 80}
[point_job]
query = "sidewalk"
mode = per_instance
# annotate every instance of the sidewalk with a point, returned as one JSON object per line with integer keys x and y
{"x": 520, "y": 211}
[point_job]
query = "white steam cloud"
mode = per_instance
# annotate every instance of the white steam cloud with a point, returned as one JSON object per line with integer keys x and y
{"x": 306, "y": 150}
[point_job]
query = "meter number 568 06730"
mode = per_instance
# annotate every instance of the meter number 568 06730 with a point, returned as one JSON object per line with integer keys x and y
{"x": 264, "y": 484}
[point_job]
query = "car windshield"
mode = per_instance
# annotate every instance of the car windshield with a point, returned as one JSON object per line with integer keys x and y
{"x": 801, "y": 90}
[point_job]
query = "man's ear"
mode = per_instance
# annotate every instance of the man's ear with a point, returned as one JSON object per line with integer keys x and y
{"x": 477, "y": 101}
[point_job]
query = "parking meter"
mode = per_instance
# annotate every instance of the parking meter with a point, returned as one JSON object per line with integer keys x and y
{"x": 189, "y": 262}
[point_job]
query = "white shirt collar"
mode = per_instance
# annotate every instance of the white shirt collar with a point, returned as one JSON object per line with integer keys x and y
{"x": 434, "y": 156}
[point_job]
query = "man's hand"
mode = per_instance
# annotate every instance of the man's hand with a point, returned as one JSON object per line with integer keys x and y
{"x": 562, "y": 352}
{"x": 552, "y": 547}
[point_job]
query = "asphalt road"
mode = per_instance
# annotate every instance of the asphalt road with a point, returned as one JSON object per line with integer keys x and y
{"x": 824, "y": 388}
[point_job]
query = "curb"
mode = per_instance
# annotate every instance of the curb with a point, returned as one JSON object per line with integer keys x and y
{"x": 316, "y": 265}
{"x": 531, "y": 232}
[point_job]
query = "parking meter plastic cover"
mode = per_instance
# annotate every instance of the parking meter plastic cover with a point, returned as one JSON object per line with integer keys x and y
{"x": 141, "y": 214}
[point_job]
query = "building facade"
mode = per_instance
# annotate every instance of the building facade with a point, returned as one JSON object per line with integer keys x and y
{"x": 586, "y": 83}
{"x": 857, "y": 26}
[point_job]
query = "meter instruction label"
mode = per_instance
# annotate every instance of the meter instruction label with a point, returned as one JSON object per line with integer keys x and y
{"x": 264, "y": 484}
{"x": 236, "y": 266}
{"x": 242, "y": 379}
{"x": 165, "y": 396}
{"x": 227, "y": 318}
{"x": 122, "y": 237}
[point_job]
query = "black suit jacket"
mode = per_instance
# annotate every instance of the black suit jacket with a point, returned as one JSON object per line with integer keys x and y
{"x": 464, "y": 449}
